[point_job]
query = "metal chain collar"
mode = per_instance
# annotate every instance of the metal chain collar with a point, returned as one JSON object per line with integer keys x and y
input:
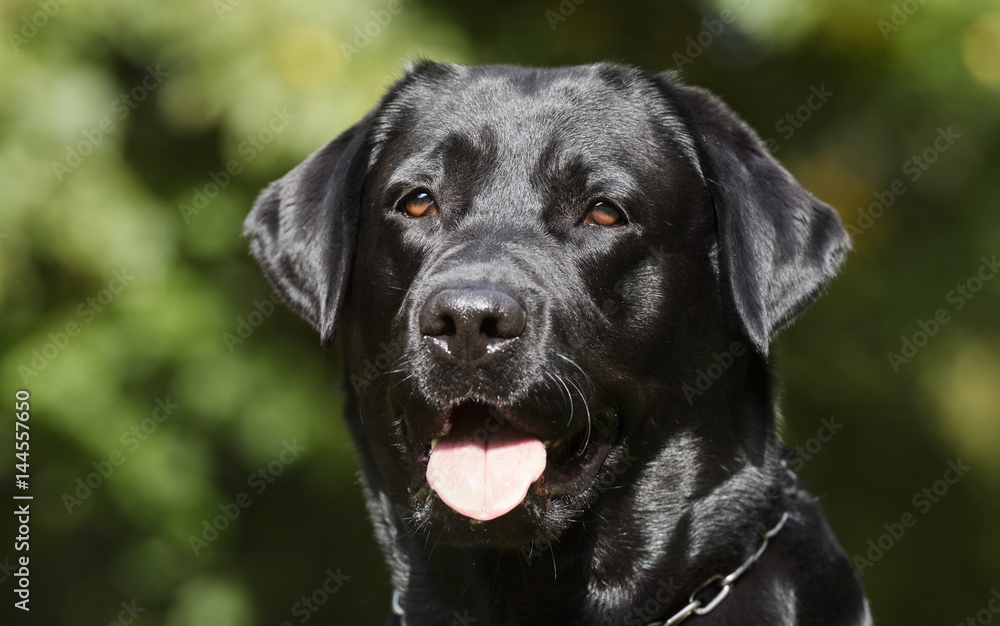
{"x": 723, "y": 584}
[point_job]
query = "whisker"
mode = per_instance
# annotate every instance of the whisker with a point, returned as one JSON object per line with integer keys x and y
{"x": 401, "y": 380}
{"x": 590, "y": 383}
{"x": 569, "y": 396}
{"x": 586, "y": 406}
{"x": 558, "y": 386}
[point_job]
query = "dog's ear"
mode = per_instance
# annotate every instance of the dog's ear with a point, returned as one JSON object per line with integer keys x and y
{"x": 778, "y": 244}
{"x": 302, "y": 228}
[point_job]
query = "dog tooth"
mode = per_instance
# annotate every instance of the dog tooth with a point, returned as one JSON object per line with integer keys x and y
{"x": 433, "y": 443}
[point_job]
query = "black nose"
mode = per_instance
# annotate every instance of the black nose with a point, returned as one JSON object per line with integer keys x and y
{"x": 470, "y": 323}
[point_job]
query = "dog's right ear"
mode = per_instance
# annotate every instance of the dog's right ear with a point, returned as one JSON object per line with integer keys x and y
{"x": 302, "y": 228}
{"x": 778, "y": 244}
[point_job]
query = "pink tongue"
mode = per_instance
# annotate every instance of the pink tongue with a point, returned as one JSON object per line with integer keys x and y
{"x": 483, "y": 474}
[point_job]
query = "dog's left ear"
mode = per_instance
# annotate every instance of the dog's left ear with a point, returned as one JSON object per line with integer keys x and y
{"x": 778, "y": 244}
{"x": 302, "y": 228}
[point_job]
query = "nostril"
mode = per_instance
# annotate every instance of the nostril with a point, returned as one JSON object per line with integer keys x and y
{"x": 448, "y": 326}
{"x": 438, "y": 324}
{"x": 490, "y": 327}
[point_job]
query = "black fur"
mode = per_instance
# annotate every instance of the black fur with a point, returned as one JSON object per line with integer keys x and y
{"x": 673, "y": 483}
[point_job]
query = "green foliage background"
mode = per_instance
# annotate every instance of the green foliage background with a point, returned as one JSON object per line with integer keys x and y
{"x": 229, "y": 66}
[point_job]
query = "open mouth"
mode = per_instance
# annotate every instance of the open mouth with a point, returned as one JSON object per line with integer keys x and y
{"x": 484, "y": 463}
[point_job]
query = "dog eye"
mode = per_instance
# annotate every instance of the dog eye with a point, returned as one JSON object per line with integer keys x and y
{"x": 604, "y": 214}
{"x": 419, "y": 204}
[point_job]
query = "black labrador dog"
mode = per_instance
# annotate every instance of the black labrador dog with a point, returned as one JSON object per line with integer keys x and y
{"x": 555, "y": 291}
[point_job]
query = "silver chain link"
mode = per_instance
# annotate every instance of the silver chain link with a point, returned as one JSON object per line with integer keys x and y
{"x": 397, "y": 608}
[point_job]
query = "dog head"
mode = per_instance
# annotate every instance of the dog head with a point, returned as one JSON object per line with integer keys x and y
{"x": 529, "y": 269}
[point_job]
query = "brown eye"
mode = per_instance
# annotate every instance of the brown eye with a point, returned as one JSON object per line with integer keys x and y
{"x": 420, "y": 204}
{"x": 604, "y": 214}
